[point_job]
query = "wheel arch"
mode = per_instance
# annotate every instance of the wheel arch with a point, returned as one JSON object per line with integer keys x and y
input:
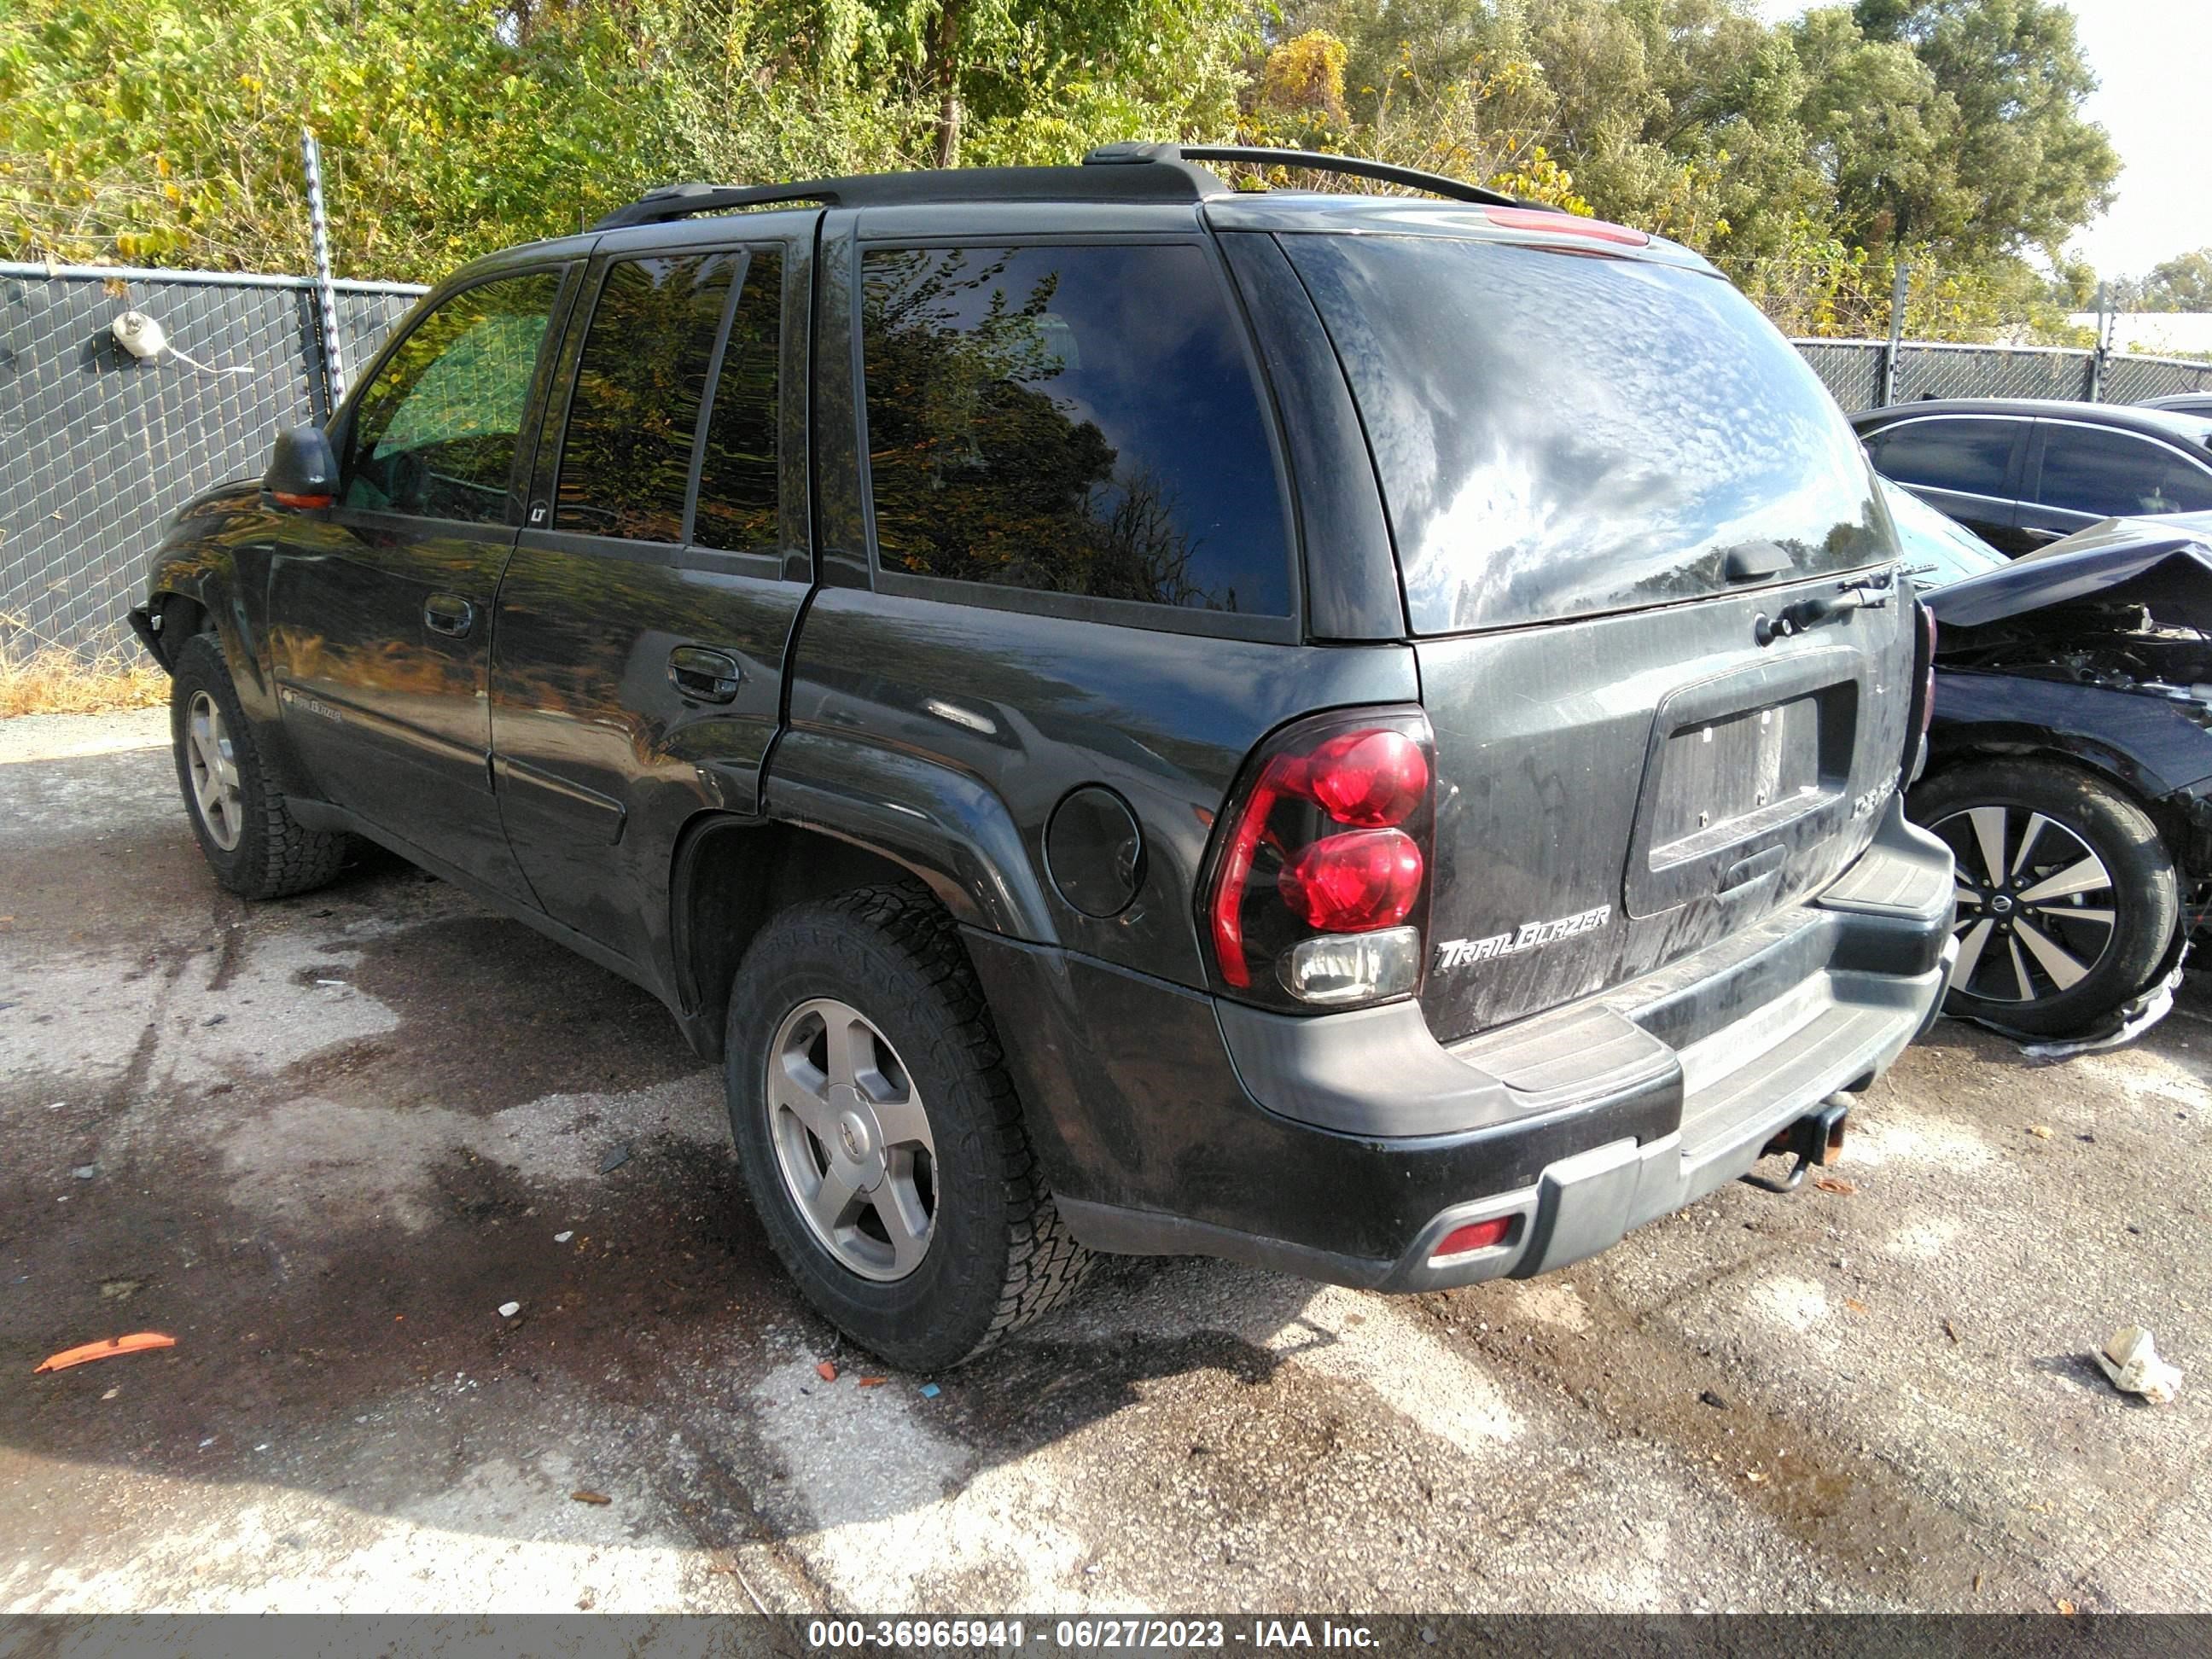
{"x": 730, "y": 877}
{"x": 2108, "y": 764}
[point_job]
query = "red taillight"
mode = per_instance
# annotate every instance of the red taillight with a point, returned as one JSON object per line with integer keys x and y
{"x": 1354, "y": 883}
{"x": 1475, "y": 1236}
{"x": 1327, "y": 838}
{"x": 1927, "y": 667}
{"x": 1923, "y": 692}
{"x": 1373, "y": 779}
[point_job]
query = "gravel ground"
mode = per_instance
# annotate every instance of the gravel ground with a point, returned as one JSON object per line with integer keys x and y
{"x": 322, "y": 1141}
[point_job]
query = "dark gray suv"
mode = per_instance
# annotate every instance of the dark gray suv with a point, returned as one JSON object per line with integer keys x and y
{"x": 1353, "y": 733}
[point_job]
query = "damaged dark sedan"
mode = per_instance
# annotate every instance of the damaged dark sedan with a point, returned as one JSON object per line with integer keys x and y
{"x": 2069, "y": 770}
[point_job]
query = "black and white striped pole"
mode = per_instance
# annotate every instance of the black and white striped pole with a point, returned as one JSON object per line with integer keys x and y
{"x": 326, "y": 301}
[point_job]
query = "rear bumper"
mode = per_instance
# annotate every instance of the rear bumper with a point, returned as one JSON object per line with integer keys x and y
{"x": 1344, "y": 1147}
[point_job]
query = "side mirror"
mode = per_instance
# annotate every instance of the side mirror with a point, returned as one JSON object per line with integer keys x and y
{"x": 302, "y": 470}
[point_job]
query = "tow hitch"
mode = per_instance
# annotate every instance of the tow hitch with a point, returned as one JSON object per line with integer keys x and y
{"x": 1816, "y": 1138}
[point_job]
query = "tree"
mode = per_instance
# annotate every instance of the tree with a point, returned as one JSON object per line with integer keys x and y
{"x": 2181, "y": 283}
{"x": 2039, "y": 169}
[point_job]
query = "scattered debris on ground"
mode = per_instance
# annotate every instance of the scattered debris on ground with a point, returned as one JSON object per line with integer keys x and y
{"x": 136, "y": 1342}
{"x": 2130, "y": 1360}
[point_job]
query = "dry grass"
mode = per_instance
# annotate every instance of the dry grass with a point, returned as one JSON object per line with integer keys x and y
{"x": 55, "y": 680}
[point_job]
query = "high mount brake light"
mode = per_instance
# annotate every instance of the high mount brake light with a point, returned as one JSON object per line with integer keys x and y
{"x": 1329, "y": 837}
{"x": 1565, "y": 224}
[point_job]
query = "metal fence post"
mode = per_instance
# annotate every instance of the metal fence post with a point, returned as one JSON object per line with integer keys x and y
{"x": 1887, "y": 394}
{"x": 2096, "y": 388}
{"x": 326, "y": 301}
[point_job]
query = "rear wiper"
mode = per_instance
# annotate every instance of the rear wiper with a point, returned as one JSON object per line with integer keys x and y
{"x": 1870, "y": 594}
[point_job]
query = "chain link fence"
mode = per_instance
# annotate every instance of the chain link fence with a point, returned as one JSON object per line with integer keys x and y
{"x": 1853, "y": 371}
{"x": 98, "y": 446}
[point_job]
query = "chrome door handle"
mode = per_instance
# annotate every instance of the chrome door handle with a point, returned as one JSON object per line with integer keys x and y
{"x": 449, "y": 614}
{"x": 704, "y": 675}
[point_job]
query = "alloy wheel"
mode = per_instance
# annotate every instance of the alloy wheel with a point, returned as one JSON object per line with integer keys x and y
{"x": 2037, "y": 908}
{"x": 212, "y": 763}
{"x": 852, "y": 1138}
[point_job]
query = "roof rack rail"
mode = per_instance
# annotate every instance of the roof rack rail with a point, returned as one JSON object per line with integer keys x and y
{"x": 681, "y": 201}
{"x": 1436, "y": 184}
{"x": 1173, "y": 180}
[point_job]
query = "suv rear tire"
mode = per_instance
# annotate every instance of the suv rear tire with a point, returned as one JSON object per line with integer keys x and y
{"x": 879, "y": 1134}
{"x": 256, "y": 848}
{"x": 2086, "y": 913}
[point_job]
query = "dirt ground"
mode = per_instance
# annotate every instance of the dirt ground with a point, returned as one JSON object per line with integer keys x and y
{"x": 321, "y": 1142}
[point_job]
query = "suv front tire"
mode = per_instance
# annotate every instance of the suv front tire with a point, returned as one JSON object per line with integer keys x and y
{"x": 256, "y": 848}
{"x": 880, "y": 1134}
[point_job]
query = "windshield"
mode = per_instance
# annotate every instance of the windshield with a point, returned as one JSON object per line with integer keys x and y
{"x": 1937, "y": 548}
{"x": 1560, "y": 434}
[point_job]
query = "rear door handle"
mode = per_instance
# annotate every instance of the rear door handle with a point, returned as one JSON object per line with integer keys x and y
{"x": 449, "y": 614}
{"x": 704, "y": 675}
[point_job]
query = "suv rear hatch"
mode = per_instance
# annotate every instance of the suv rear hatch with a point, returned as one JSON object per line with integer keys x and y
{"x": 1607, "y": 477}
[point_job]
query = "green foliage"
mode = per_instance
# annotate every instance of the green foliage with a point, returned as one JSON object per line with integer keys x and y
{"x": 1805, "y": 157}
{"x": 2182, "y": 283}
{"x": 167, "y": 131}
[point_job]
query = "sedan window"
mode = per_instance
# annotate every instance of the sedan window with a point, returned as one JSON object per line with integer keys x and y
{"x": 2118, "y": 474}
{"x": 1972, "y": 456}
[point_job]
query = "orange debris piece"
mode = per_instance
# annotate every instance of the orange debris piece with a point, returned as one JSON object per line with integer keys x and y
{"x": 136, "y": 1342}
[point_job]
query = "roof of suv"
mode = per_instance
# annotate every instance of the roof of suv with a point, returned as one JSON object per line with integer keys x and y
{"x": 2127, "y": 417}
{"x": 1166, "y": 175}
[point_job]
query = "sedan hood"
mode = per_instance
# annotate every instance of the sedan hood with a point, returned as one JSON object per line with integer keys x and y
{"x": 2162, "y": 564}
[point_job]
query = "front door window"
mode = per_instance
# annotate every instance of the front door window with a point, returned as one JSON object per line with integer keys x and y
{"x": 434, "y": 436}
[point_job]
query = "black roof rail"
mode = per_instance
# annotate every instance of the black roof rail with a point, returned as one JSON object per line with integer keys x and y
{"x": 681, "y": 201}
{"x": 1436, "y": 184}
{"x": 1174, "y": 181}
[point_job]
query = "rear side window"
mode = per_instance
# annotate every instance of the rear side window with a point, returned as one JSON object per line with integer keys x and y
{"x": 626, "y": 459}
{"x": 1972, "y": 457}
{"x": 2114, "y": 474}
{"x": 1076, "y": 419}
{"x": 737, "y": 492}
{"x": 435, "y": 434}
{"x": 1559, "y": 434}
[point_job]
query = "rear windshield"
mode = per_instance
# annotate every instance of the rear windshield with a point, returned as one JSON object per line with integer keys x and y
{"x": 1560, "y": 434}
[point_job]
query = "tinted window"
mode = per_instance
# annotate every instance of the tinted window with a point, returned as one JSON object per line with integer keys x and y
{"x": 434, "y": 433}
{"x": 738, "y": 478}
{"x": 626, "y": 457}
{"x": 2113, "y": 473}
{"x": 1559, "y": 434}
{"x": 1076, "y": 419}
{"x": 1972, "y": 456}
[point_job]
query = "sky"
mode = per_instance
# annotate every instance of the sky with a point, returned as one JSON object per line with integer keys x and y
{"x": 2149, "y": 57}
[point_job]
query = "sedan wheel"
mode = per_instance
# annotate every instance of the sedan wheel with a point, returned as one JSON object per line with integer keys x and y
{"x": 2036, "y": 905}
{"x": 2069, "y": 905}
